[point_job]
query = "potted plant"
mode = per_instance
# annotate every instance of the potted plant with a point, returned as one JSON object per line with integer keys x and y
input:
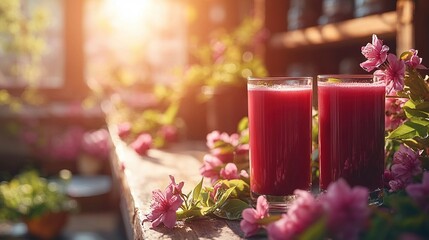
{"x": 223, "y": 67}
{"x": 41, "y": 204}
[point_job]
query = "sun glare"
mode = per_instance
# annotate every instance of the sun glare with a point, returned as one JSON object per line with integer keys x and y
{"x": 128, "y": 15}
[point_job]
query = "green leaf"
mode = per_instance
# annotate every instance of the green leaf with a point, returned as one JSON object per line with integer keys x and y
{"x": 187, "y": 214}
{"x": 243, "y": 124}
{"x": 412, "y": 112}
{"x": 232, "y": 209}
{"x": 219, "y": 202}
{"x": 418, "y": 89}
{"x": 197, "y": 190}
{"x": 412, "y": 128}
{"x": 413, "y": 109}
{"x": 241, "y": 188}
{"x": 316, "y": 231}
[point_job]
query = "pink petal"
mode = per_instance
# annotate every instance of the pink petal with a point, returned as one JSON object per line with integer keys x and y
{"x": 250, "y": 215}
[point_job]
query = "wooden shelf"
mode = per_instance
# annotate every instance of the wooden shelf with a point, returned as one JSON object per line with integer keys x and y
{"x": 385, "y": 23}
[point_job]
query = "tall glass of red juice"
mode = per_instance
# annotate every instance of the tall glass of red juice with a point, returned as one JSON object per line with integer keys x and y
{"x": 351, "y": 131}
{"x": 280, "y": 113}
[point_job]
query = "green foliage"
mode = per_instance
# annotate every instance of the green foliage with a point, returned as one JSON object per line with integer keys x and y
{"x": 23, "y": 38}
{"x": 228, "y": 59}
{"x": 28, "y": 196}
{"x": 399, "y": 215}
{"x": 228, "y": 201}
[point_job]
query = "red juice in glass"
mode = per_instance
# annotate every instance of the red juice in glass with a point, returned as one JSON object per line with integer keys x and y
{"x": 351, "y": 130}
{"x": 280, "y": 113}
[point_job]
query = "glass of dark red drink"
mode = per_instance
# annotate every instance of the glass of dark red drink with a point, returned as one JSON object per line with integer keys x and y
{"x": 280, "y": 114}
{"x": 351, "y": 131}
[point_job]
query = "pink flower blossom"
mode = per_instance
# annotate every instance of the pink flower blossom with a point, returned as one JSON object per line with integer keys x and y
{"x": 142, "y": 144}
{"x": 169, "y": 133}
{"x": 393, "y": 75}
{"x": 250, "y": 225}
{"x": 414, "y": 61}
{"x": 65, "y": 146}
{"x": 282, "y": 229}
{"x": 97, "y": 143}
{"x": 396, "y": 184}
{"x": 217, "y": 186}
{"x": 124, "y": 129}
{"x": 395, "y": 115}
{"x": 175, "y": 189}
{"x": 163, "y": 208}
{"x": 405, "y": 164}
{"x": 420, "y": 192}
{"x": 375, "y": 53}
{"x": 244, "y": 173}
{"x": 214, "y": 138}
{"x": 211, "y": 167}
{"x": 303, "y": 212}
{"x": 348, "y": 209}
{"x": 229, "y": 172}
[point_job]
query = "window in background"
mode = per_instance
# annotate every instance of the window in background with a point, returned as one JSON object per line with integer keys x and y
{"x": 31, "y": 44}
{"x": 134, "y": 43}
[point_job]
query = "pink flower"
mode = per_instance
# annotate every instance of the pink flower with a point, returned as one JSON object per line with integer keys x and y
{"x": 97, "y": 143}
{"x": 163, "y": 208}
{"x": 211, "y": 167}
{"x": 405, "y": 164}
{"x": 234, "y": 139}
{"x": 174, "y": 188}
{"x": 396, "y": 184}
{"x": 169, "y": 133}
{"x": 229, "y": 172}
{"x": 420, "y": 192}
{"x": 395, "y": 115}
{"x": 124, "y": 129}
{"x": 215, "y": 138}
{"x": 303, "y": 212}
{"x": 244, "y": 174}
{"x": 250, "y": 225}
{"x": 414, "y": 61}
{"x": 375, "y": 53}
{"x": 65, "y": 146}
{"x": 393, "y": 75}
{"x": 348, "y": 209}
{"x": 213, "y": 194}
{"x": 282, "y": 229}
{"x": 142, "y": 144}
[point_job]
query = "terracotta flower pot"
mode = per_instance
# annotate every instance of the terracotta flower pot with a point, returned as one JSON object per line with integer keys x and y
{"x": 47, "y": 226}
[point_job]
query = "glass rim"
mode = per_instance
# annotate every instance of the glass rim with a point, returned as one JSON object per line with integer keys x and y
{"x": 355, "y": 76}
{"x": 278, "y": 78}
